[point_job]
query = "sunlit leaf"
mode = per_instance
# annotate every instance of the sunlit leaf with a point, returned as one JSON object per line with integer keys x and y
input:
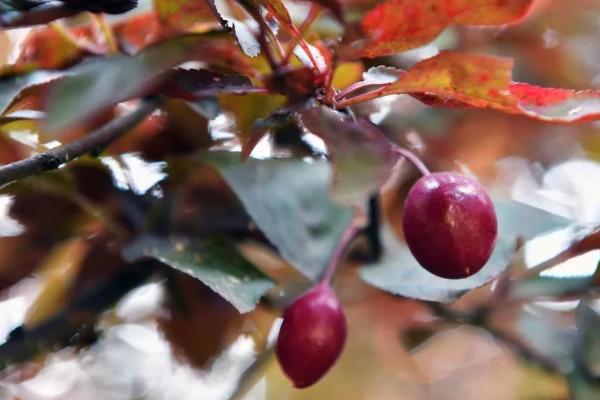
{"x": 399, "y": 273}
{"x": 139, "y": 31}
{"x": 288, "y": 200}
{"x": 103, "y": 83}
{"x": 557, "y": 105}
{"x": 456, "y": 79}
{"x": 362, "y": 156}
{"x": 214, "y": 262}
{"x": 475, "y": 80}
{"x": 248, "y": 109}
{"x": 399, "y": 25}
{"x": 58, "y": 272}
{"x": 48, "y": 48}
{"x": 184, "y": 14}
{"x": 346, "y": 74}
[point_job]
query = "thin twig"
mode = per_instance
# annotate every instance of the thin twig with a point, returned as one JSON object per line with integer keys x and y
{"x": 355, "y": 87}
{"x": 413, "y": 159}
{"x": 312, "y": 16}
{"x": 361, "y": 98}
{"x": 93, "y": 142}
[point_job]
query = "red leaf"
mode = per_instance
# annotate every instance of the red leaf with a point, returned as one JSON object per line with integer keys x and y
{"x": 556, "y": 105}
{"x": 50, "y": 48}
{"x": 398, "y": 25}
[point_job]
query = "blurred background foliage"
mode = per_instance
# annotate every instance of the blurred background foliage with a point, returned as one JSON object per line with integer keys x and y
{"x": 175, "y": 333}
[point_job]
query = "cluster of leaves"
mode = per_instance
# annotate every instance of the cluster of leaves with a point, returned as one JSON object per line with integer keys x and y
{"x": 246, "y": 70}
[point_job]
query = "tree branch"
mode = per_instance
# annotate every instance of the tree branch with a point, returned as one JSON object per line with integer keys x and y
{"x": 95, "y": 141}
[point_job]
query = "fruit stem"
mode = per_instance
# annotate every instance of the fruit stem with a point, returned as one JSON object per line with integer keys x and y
{"x": 361, "y": 98}
{"x": 348, "y": 235}
{"x": 353, "y": 88}
{"x": 413, "y": 159}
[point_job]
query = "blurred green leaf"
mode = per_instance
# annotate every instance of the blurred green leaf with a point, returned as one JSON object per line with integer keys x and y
{"x": 547, "y": 286}
{"x": 399, "y": 273}
{"x": 288, "y": 199}
{"x": 248, "y": 109}
{"x": 588, "y": 322}
{"x": 548, "y": 335}
{"x": 214, "y": 262}
{"x": 102, "y": 83}
{"x": 582, "y": 388}
{"x": 362, "y": 156}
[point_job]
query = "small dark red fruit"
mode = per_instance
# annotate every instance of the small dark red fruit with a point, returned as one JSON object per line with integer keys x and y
{"x": 312, "y": 336}
{"x": 450, "y": 224}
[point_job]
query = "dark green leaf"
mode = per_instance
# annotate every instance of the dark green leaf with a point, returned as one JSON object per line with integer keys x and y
{"x": 194, "y": 84}
{"x": 399, "y": 273}
{"x": 362, "y": 156}
{"x": 214, "y": 262}
{"x": 100, "y": 84}
{"x": 288, "y": 199}
{"x": 582, "y": 388}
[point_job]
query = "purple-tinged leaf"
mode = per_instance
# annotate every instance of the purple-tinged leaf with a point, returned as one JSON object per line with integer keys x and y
{"x": 362, "y": 156}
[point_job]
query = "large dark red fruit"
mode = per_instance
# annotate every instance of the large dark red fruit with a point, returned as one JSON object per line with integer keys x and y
{"x": 450, "y": 224}
{"x": 312, "y": 336}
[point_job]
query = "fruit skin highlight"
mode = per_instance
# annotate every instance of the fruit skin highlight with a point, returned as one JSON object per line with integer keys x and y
{"x": 312, "y": 336}
{"x": 450, "y": 224}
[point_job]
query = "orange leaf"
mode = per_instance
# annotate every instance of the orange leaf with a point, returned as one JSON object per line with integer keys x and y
{"x": 185, "y": 14}
{"x": 475, "y": 80}
{"x": 456, "y": 79}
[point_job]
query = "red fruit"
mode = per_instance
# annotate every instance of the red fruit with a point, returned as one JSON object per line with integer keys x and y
{"x": 450, "y": 224}
{"x": 312, "y": 336}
